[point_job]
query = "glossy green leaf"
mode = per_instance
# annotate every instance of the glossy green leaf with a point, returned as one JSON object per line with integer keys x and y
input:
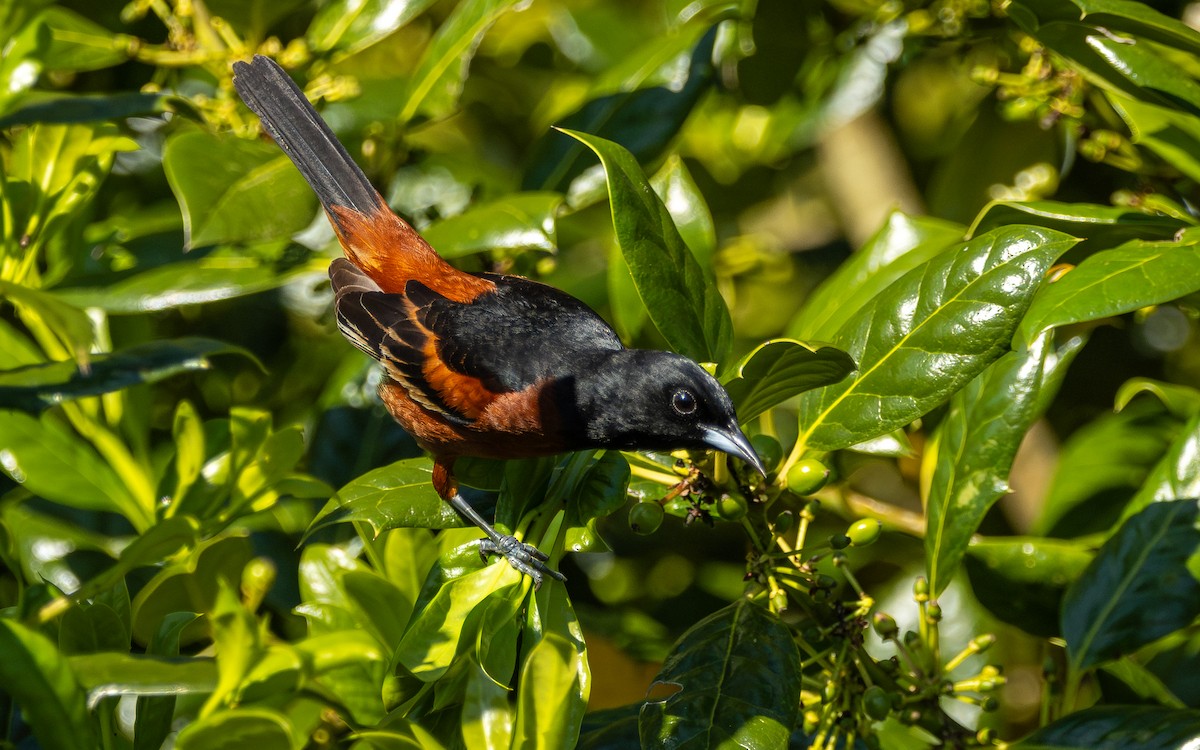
{"x": 383, "y": 608}
{"x": 1137, "y": 589}
{"x": 1022, "y": 580}
{"x": 1118, "y": 728}
{"x": 399, "y": 735}
{"x": 42, "y": 683}
{"x": 36, "y": 388}
{"x": 611, "y": 729}
{"x": 642, "y": 120}
{"x": 601, "y": 491}
{"x": 548, "y": 705}
{"x": 499, "y": 637}
{"x": 91, "y": 628}
{"x": 324, "y": 599}
{"x": 1126, "y": 65}
{"x": 680, "y": 297}
{"x": 237, "y": 642}
{"x": 1180, "y": 400}
{"x": 900, "y": 245}
{"x": 152, "y": 722}
{"x": 347, "y": 26}
{"x": 928, "y": 334}
{"x": 1135, "y": 275}
{"x": 1110, "y": 225}
{"x": 1177, "y": 475}
{"x": 187, "y": 282}
{"x": 433, "y": 635}
{"x": 1101, "y": 466}
{"x": 738, "y": 673}
{"x": 1173, "y": 135}
{"x": 394, "y": 496}
{"x": 974, "y": 446}
{"x": 239, "y": 727}
{"x": 1143, "y": 682}
{"x": 520, "y": 221}
{"x": 234, "y": 190}
{"x": 434, "y": 87}
{"x": 778, "y": 369}
{"x": 1115, "y": 15}
{"x": 488, "y": 715}
{"x": 51, "y": 461}
{"x": 674, "y": 185}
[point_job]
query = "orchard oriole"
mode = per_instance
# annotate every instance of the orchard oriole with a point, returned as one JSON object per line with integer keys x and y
{"x": 483, "y": 365}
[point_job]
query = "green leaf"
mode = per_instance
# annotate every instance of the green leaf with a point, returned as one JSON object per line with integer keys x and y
{"x": 238, "y": 727}
{"x": 1180, "y": 400}
{"x": 1118, "y": 728}
{"x": 674, "y": 185}
{"x": 382, "y": 607}
{"x": 928, "y": 334}
{"x": 1137, "y": 589}
{"x": 549, "y": 709}
{"x": 1144, "y": 683}
{"x": 487, "y": 715}
{"x": 681, "y": 298}
{"x": 187, "y": 282}
{"x": 1177, "y": 475}
{"x": 601, "y": 491}
{"x": 68, "y": 322}
{"x": 91, "y": 628}
{"x": 1135, "y": 275}
{"x": 348, "y": 26}
{"x": 53, "y": 462}
{"x": 434, "y": 87}
{"x": 643, "y": 120}
{"x": 252, "y": 18}
{"x": 778, "y": 369}
{"x": 1101, "y": 466}
{"x": 611, "y": 729}
{"x": 519, "y": 221}
{"x": 900, "y": 245}
{"x": 38, "y": 387}
{"x": 234, "y": 190}
{"x": 738, "y": 674}
{"x": 434, "y": 633}
{"x": 1110, "y": 225}
{"x": 1173, "y": 135}
{"x": 42, "y": 683}
{"x": 39, "y": 107}
{"x": 398, "y": 495}
{"x": 1022, "y": 580}
{"x": 111, "y": 674}
{"x": 974, "y": 447}
{"x": 77, "y": 44}
{"x": 1115, "y": 15}
{"x": 155, "y": 713}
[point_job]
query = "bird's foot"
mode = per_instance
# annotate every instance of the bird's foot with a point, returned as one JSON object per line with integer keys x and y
{"x": 525, "y": 558}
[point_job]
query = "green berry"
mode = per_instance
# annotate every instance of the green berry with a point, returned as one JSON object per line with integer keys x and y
{"x": 807, "y": 476}
{"x": 876, "y": 703}
{"x": 645, "y": 517}
{"x": 864, "y": 531}
{"x": 731, "y": 507}
{"x": 839, "y": 541}
{"x": 768, "y": 449}
{"x": 784, "y": 522}
{"x": 885, "y": 626}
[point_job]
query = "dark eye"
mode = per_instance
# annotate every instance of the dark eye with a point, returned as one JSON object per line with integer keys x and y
{"x": 683, "y": 402}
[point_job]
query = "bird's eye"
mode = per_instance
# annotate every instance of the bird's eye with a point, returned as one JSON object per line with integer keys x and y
{"x": 683, "y": 402}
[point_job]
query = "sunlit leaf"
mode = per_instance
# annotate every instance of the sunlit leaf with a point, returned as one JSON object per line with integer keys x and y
{"x": 521, "y": 221}
{"x": 41, "y": 682}
{"x": 394, "y": 496}
{"x": 238, "y": 727}
{"x": 776, "y": 370}
{"x": 1176, "y": 475}
{"x": 1022, "y": 580}
{"x": 1181, "y": 400}
{"x": 347, "y": 26}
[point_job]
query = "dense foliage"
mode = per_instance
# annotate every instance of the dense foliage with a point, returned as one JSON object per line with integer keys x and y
{"x": 213, "y": 536}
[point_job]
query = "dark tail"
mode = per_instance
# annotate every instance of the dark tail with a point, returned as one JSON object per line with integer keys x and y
{"x": 304, "y": 137}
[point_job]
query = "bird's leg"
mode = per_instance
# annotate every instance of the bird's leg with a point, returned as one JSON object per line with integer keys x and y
{"x": 525, "y": 558}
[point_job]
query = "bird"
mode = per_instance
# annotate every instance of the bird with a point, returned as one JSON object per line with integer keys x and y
{"x": 482, "y": 364}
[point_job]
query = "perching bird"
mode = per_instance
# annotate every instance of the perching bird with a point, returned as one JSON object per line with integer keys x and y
{"x": 483, "y": 365}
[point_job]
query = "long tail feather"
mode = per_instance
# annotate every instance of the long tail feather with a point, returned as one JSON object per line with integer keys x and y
{"x": 304, "y": 137}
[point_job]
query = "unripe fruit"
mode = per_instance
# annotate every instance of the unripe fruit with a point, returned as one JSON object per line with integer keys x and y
{"x": 876, "y": 703}
{"x": 839, "y": 541}
{"x": 864, "y": 531}
{"x": 807, "y": 476}
{"x": 768, "y": 449}
{"x": 645, "y": 517}
{"x": 885, "y": 626}
{"x": 731, "y": 507}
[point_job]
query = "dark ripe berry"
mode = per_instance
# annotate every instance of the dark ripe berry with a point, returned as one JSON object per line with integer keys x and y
{"x": 864, "y": 531}
{"x": 768, "y": 449}
{"x": 645, "y": 517}
{"x": 876, "y": 703}
{"x": 807, "y": 476}
{"x": 839, "y": 541}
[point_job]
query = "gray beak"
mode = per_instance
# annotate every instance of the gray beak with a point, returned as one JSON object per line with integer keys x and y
{"x": 731, "y": 440}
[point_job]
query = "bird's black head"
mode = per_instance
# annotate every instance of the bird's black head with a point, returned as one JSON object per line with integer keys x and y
{"x": 637, "y": 399}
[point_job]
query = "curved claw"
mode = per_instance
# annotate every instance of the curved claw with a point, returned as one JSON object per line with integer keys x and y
{"x": 525, "y": 558}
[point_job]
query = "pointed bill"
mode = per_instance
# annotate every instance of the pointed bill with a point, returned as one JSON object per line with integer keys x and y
{"x": 731, "y": 440}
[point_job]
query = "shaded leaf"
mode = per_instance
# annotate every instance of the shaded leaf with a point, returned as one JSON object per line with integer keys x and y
{"x": 38, "y": 387}
{"x": 65, "y": 109}
{"x": 238, "y": 727}
{"x": 928, "y": 334}
{"x": 77, "y": 44}
{"x": 738, "y": 673}
{"x": 1110, "y": 225}
{"x": 1022, "y": 580}
{"x": 1135, "y": 275}
{"x": 901, "y": 244}
{"x": 680, "y": 297}
{"x": 1144, "y": 683}
{"x": 1138, "y": 587}
{"x": 1180, "y": 400}
{"x": 42, "y": 683}
{"x": 778, "y": 369}
{"x": 1177, "y": 475}
{"x": 1118, "y": 728}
